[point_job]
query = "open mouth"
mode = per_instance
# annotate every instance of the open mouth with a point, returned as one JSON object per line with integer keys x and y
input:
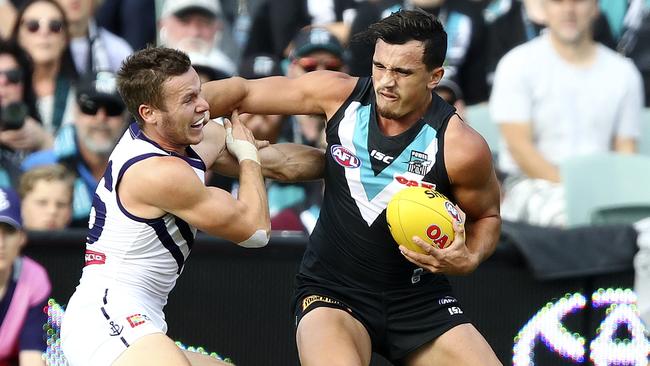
{"x": 201, "y": 121}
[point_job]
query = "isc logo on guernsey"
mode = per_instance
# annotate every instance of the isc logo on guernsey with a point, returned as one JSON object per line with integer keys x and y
{"x": 344, "y": 157}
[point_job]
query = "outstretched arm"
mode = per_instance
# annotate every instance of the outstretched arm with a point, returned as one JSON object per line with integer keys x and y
{"x": 476, "y": 189}
{"x": 319, "y": 92}
{"x": 286, "y": 162}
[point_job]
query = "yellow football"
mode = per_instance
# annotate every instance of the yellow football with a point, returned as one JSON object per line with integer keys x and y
{"x": 422, "y": 212}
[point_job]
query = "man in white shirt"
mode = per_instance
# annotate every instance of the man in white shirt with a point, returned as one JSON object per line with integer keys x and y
{"x": 557, "y": 96}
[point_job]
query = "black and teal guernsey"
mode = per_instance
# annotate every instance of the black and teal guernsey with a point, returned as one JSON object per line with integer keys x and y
{"x": 351, "y": 243}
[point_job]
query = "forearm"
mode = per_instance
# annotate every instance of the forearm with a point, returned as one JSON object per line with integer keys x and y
{"x": 533, "y": 164}
{"x": 290, "y": 162}
{"x": 224, "y": 96}
{"x": 482, "y": 236}
{"x": 252, "y": 193}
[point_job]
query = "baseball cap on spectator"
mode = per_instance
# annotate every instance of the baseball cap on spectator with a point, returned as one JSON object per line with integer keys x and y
{"x": 315, "y": 39}
{"x": 10, "y": 208}
{"x": 451, "y": 87}
{"x": 179, "y": 8}
{"x": 214, "y": 66}
{"x": 259, "y": 66}
{"x": 99, "y": 90}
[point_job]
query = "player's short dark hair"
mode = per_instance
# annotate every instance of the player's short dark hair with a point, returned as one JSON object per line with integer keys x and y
{"x": 407, "y": 25}
{"x": 142, "y": 75}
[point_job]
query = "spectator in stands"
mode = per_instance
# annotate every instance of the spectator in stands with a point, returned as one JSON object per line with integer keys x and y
{"x": 42, "y": 30}
{"x": 310, "y": 50}
{"x": 133, "y": 20}
{"x": 20, "y": 129}
{"x": 84, "y": 146}
{"x": 24, "y": 290}
{"x": 556, "y": 96}
{"x": 46, "y": 196}
{"x": 519, "y": 21}
{"x": 450, "y": 92}
{"x": 194, "y": 26}
{"x": 93, "y": 48}
{"x": 277, "y": 22}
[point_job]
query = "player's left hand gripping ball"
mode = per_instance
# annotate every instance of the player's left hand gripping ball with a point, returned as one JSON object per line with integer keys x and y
{"x": 422, "y": 212}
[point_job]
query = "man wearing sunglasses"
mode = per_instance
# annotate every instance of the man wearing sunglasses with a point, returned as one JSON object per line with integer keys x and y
{"x": 295, "y": 206}
{"x": 84, "y": 147}
{"x": 313, "y": 49}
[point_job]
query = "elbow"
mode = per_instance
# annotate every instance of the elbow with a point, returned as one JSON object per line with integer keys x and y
{"x": 258, "y": 239}
{"x": 259, "y": 231}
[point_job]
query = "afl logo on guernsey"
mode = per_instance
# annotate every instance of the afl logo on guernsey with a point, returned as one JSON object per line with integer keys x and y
{"x": 453, "y": 212}
{"x": 344, "y": 157}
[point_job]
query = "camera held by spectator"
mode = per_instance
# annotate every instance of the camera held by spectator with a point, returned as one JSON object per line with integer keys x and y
{"x": 12, "y": 116}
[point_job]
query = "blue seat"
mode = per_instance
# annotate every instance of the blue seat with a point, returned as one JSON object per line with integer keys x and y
{"x": 644, "y": 140}
{"x": 478, "y": 116}
{"x": 606, "y": 187}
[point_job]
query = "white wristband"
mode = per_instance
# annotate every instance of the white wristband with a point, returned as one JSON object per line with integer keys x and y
{"x": 243, "y": 150}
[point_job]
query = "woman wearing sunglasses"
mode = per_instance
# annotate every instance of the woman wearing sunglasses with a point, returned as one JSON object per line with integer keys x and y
{"x": 20, "y": 129}
{"x": 41, "y": 29}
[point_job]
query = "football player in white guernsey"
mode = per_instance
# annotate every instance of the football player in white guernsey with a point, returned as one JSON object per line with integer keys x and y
{"x": 350, "y": 301}
{"x": 150, "y": 203}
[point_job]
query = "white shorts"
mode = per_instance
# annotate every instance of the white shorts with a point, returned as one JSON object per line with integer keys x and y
{"x": 99, "y": 325}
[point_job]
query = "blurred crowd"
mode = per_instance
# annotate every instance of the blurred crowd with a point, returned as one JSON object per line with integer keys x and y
{"x": 561, "y": 78}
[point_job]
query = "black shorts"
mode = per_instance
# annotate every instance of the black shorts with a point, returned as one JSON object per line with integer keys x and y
{"x": 398, "y": 321}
